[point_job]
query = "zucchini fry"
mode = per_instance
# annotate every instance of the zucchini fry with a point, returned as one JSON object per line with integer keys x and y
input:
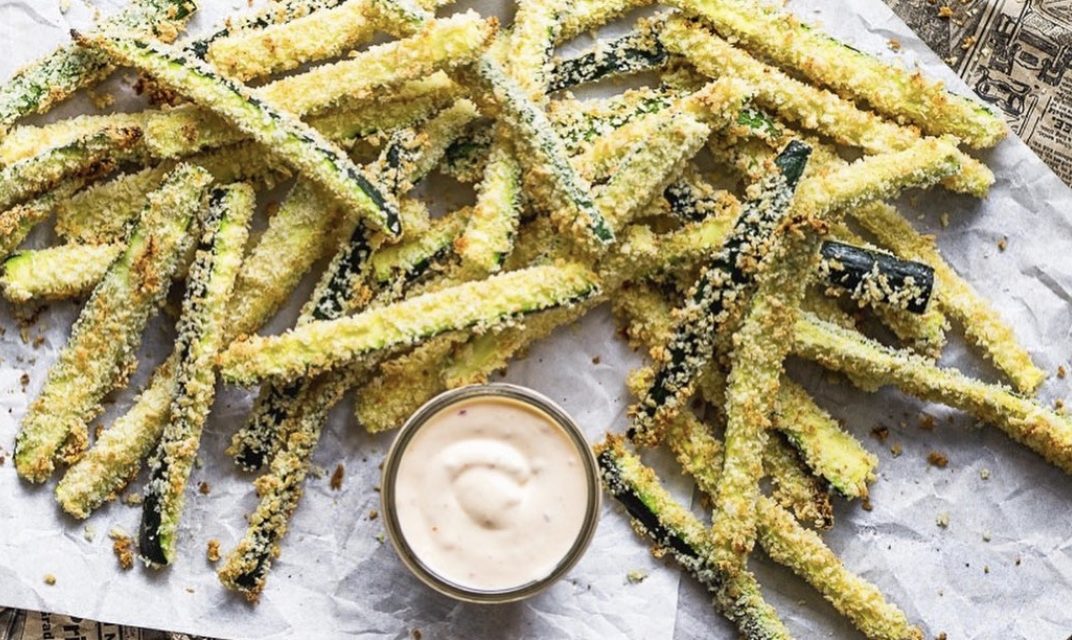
{"x": 674, "y": 530}
{"x": 810, "y": 107}
{"x": 201, "y": 331}
{"x": 37, "y": 87}
{"x": 790, "y": 544}
{"x": 589, "y": 15}
{"x": 877, "y": 277}
{"x": 290, "y": 139}
{"x": 637, "y": 51}
{"x": 804, "y": 494}
{"x": 983, "y": 326}
{"x": 581, "y": 123}
{"x": 93, "y": 155}
{"x": 324, "y": 345}
{"x": 98, "y": 356}
{"x": 565, "y": 193}
{"x": 723, "y": 278}
{"x": 902, "y": 95}
{"x": 27, "y": 141}
{"x": 489, "y": 236}
{"x": 1042, "y": 430}
{"x": 56, "y": 273}
{"x": 278, "y": 39}
{"x": 763, "y": 340}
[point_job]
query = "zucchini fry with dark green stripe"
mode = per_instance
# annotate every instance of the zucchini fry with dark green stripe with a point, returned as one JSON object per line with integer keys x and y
{"x": 775, "y": 34}
{"x": 1042, "y": 430}
{"x": 983, "y": 326}
{"x": 56, "y": 273}
{"x": 37, "y": 87}
{"x": 810, "y": 107}
{"x": 27, "y": 141}
{"x": 581, "y": 123}
{"x": 353, "y": 87}
{"x": 295, "y": 142}
{"x": 674, "y": 530}
{"x": 876, "y": 277}
{"x": 763, "y": 340}
{"x": 639, "y": 50}
{"x": 325, "y": 345}
{"x": 100, "y": 351}
{"x": 791, "y": 545}
{"x": 93, "y": 155}
{"x": 201, "y": 332}
{"x": 725, "y": 276}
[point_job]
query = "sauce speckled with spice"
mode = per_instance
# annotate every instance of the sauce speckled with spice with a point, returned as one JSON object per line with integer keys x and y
{"x": 491, "y": 494}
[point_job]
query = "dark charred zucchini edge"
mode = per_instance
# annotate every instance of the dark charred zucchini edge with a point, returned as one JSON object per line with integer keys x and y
{"x": 692, "y": 344}
{"x": 876, "y": 276}
{"x": 634, "y": 52}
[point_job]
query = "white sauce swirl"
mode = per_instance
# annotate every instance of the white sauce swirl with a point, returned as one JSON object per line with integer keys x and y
{"x": 491, "y": 494}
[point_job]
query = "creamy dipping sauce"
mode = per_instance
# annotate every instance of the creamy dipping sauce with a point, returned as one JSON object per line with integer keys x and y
{"x": 491, "y": 494}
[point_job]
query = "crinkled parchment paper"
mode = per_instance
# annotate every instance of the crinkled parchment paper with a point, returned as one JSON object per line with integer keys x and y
{"x": 336, "y": 578}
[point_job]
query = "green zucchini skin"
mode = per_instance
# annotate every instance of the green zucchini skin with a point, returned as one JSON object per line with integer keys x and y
{"x": 289, "y": 138}
{"x": 903, "y": 283}
{"x": 108, "y": 331}
{"x": 635, "y": 52}
{"x": 692, "y": 345}
{"x": 87, "y": 157}
{"x": 201, "y": 332}
{"x": 37, "y": 87}
{"x": 325, "y": 345}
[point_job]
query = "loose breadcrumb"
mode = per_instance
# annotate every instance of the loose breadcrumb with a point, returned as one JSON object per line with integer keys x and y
{"x": 927, "y": 422}
{"x": 636, "y": 576}
{"x": 945, "y": 12}
{"x": 373, "y": 514}
{"x": 123, "y": 548}
{"x": 896, "y": 450}
{"x": 204, "y": 488}
{"x": 943, "y": 520}
{"x": 938, "y": 459}
{"x": 984, "y": 473}
{"x": 881, "y": 433}
{"x": 212, "y": 551}
{"x": 89, "y": 533}
{"x": 336, "y": 478}
{"x": 50, "y": 579}
{"x": 1061, "y": 372}
{"x": 894, "y": 44}
{"x": 1003, "y": 244}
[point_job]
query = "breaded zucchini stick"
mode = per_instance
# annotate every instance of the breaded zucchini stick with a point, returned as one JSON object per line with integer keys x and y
{"x": 324, "y": 345}
{"x": 99, "y": 354}
{"x": 581, "y": 123}
{"x": 56, "y": 273}
{"x": 791, "y": 545}
{"x": 794, "y": 488}
{"x": 93, "y": 155}
{"x": 293, "y": 141}
{"x": 983, "y": 326}
{"x": 27, "y": 141}
{"x": 637, "y": 51}
{"x": 674, "y": 530}
{"x": 762, "y": 342}
{"x": 808, "y": 106}
{"x": 201, "y": 331}
{"x": 723, "y": 278}
{"x": 901, "y": 94}
{"x": 37, "y": 87}
{"x": 1027, "y": 422}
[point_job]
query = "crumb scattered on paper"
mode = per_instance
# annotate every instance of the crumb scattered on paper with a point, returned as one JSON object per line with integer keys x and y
{"x": 943, "y": 520}
{"x": 881, "y": 433}
{"x": 636, "y": 576}
{"x": 1003, "y": 244}
{"x": 336, "y": 478}
{"x": 50, "y": 579}
{"x": 938, "y": 459}
{"x": 204, "y": 488}
{"x": 373, "y": 514}
{"x": 896, "y": 450}
{"x": 212, "y": 552}
{"x": 984, "y": 473}
{"x": 123, "y": 548}
{"x": 89, "y": 533}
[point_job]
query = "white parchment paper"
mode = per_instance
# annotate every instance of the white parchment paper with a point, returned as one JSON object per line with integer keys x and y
{"x": 336, "y": 579}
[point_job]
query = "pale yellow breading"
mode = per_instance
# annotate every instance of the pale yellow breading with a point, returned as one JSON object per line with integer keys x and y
{"x": 777, "y": 35}
{"x": 56, "y": 273}
{"x": 582, "y": 16}
{"x": 983, "y": 326}
{"x": 17, "y": 222}
{"x": 402, "y": 384}
{"x": 489, "y": 236}
{"x": 1043, "y": 430}
{"x": 810, "y": 107}
{"x": 794, "y": 488}
{"x": 27, "y": 141}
